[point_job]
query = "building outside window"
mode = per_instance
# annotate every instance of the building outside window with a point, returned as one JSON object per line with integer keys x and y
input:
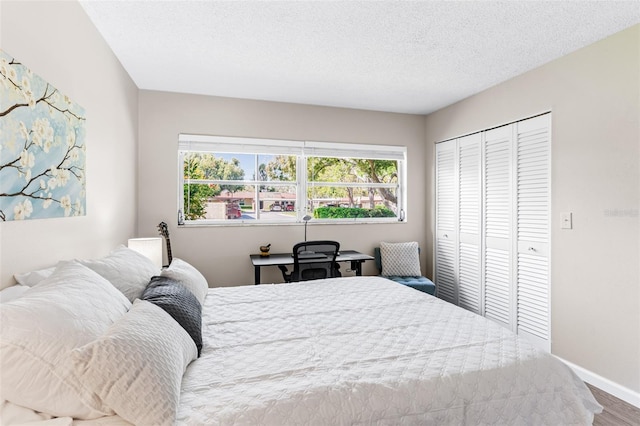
{"x": 228, "y": 180}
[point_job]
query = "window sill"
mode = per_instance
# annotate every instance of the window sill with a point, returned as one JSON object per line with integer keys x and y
{"x": 316, "y": 222}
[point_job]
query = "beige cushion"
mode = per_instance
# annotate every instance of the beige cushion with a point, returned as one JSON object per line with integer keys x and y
{"x": 400, "y": 259}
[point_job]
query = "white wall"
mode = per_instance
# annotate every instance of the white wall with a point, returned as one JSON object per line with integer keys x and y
{"x": 594, "y": 95}
{"x": 222, "y": 253}
{"x": 57, "y": 41}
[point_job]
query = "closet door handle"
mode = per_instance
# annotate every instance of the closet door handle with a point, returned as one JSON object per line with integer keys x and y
{"x": 532, "y": 249}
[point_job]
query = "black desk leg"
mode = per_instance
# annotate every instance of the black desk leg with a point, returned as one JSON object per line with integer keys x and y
{"x": 356, "y": 265}
{"x": 256, "y": 275}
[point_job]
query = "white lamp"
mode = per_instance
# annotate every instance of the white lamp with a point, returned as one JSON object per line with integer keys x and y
{"x": 149, "y": 247}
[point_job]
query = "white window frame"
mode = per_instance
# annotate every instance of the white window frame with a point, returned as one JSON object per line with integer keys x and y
{"x": 191, "y": 143}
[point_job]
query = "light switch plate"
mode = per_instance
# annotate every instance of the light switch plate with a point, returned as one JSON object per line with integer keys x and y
{"x": 566, "y": 220}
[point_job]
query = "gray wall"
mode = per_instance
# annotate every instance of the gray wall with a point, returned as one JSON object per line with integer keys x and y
{"x": 222, "y": 253}
{"x": 594, "y": 95}
{"x": 57, "y": 41}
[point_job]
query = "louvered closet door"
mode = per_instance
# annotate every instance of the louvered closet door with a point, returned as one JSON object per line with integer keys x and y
{"x": 498, "y": 283}
{"x": 470, "y": 222}
{"x": 446, "y": 221}
{"x": 533, "y": 207}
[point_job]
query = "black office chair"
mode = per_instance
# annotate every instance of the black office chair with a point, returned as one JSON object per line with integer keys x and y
{"x": 313, "y": 260}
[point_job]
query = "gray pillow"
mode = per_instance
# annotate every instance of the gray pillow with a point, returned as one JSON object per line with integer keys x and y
{"x": 178, "y": 302}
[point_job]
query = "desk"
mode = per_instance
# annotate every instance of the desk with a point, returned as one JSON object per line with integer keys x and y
{"x": 355, "y": 257}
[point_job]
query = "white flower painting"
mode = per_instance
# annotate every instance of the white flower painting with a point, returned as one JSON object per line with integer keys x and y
{"x": 42, "y": 147}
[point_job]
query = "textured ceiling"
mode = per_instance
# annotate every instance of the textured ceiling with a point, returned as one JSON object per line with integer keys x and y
{"x": 401, "y": 56}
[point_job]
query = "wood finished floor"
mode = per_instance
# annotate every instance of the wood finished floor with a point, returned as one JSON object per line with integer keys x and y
{"x": 616, "y": 412}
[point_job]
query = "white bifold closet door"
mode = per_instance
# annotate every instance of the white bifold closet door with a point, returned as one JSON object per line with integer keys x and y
{"x": 469, "y": 223}
{"x": 533, "y": 225}
{"x": 459, "y": 221}
{"x": 498, "y": 222}
{"x": 446, "y": 221}
{"x": 492, "y": 225}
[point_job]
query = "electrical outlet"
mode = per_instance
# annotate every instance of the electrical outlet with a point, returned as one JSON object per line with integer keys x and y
{"x": 566, "y": 220}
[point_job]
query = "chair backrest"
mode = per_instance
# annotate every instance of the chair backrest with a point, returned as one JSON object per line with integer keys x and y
{"x": 314, "y": 260}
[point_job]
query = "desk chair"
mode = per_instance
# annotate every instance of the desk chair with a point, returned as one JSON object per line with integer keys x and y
{"x": 417, "y": 282}
{"x": 313, "y": 260}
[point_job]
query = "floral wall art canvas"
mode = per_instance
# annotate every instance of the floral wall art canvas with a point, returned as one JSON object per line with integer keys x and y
{"x": 42, "y": 147}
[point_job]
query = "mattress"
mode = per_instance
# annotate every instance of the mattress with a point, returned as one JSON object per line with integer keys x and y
{"x": 366, "y": 350}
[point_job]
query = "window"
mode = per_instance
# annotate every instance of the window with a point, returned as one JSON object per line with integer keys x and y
{"x": 225, "y": 180}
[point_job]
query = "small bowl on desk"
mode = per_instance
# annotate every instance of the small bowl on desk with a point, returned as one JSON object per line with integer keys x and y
{"x": 264, "y": 250}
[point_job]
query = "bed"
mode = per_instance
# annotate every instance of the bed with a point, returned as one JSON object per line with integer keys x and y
{"x": 352, "y": 350}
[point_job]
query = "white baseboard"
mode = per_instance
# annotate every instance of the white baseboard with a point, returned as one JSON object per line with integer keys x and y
{"x": 619, "y": 391}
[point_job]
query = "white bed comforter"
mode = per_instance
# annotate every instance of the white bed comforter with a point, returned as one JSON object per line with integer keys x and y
{"x": 359, "y": 350}
{"x": 365, "y": 350}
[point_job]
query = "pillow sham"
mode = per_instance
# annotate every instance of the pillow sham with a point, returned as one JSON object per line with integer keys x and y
{"x": 400, "y": 259}
{"x": 38, "y": 331}
{"x": 13, "y": 292}
{"x": 128, "y": 270}
{"x": 136, "y": 367}
{"x": 34, "y": 277}
{"x": 178, "y": 302}
{"x": 15, "y": 415}
{"x": 188, "y": 276}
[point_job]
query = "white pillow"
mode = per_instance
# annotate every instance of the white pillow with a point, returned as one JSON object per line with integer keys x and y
{"x": 136, "y": 368}
{"x": 15, "y": 415}
{"x": 400, "y": 259}
{"x": 188, "y": 276}
{"x": 13, "y": 292}
{"x": 128, "y": 270}
{"x": 33, "y": 277}
{"x": 38, "y": 331}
